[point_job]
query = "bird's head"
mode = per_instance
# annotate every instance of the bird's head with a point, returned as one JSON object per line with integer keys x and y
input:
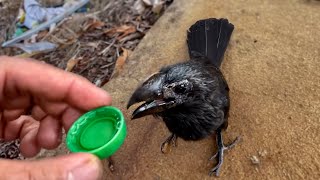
{"x": 171, "y": 87}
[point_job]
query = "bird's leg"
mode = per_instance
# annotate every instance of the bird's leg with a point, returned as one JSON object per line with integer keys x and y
{"x": 171, "y": 140}
{"x": 219, "y": 154}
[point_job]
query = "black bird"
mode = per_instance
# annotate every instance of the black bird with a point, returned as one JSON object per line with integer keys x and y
{"x": 192, "y": 97}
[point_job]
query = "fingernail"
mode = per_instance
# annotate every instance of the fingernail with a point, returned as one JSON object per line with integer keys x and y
{"x": 91, "y": 169}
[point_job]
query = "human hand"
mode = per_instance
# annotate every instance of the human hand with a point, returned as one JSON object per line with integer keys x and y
{"x": 36, "y": 102}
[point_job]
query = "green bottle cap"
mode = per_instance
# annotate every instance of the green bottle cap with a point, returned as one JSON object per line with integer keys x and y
{"x": 101, "y": 132}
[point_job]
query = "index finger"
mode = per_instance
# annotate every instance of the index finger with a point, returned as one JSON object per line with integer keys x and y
{"x": 23, "y": 77}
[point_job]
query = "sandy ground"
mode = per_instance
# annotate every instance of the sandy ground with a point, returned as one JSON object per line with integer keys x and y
{"x": 272, "y": 66}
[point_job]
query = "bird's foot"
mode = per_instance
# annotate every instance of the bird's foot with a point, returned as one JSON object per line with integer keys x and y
{"x": 170, "y": 141}
{"x": 228, "y": 147}
{"x": 219, "y": 154}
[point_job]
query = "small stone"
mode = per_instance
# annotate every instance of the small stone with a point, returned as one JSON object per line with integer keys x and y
{"x": 111, "y": 164}
{"x": 255, "y": 160}
{"x": 139, "y": 7}
{"x": 263, "y": 153}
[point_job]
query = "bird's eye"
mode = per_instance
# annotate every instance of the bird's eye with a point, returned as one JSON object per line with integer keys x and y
{"x": 180, "y": 89}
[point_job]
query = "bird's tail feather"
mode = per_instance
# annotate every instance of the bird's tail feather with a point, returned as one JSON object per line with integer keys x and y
{"x": 209, "y": 38}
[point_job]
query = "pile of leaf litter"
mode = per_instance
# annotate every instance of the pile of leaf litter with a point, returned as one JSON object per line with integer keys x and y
{"x": 96, "y": 44}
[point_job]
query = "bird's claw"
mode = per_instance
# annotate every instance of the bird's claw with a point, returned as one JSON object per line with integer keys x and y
{"x": 231, "y": 145}
{"x": 228, "y": 147}
{"x": 171, "y": 140}
{"x": 219, "y": 154}
{"x": 213, "y": 157}
{"x": 215, "y": 170}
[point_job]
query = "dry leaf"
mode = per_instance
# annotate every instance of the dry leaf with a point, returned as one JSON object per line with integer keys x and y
{"x": 148, "y": 2}
{"x": 124, "y": 30}
{"x": 71, "y": 63}
{"x": 93, "y": 44}
{"x": 42, "y": 34}
{"x": 93, "y": 25}
{"x": 128, "y": 31}
{"x": 120, "y": 62}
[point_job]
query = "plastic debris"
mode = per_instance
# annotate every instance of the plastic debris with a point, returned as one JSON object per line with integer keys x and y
{"x": 42, "y": 46}
{"x": 38, "y": 18}
{"x": 36, "y": 14}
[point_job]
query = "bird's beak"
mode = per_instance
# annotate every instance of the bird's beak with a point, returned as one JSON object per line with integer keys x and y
{"x": 150, "y": 92}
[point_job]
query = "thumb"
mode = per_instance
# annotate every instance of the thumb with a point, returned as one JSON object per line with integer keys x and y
{"x": 69, "y": 167}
